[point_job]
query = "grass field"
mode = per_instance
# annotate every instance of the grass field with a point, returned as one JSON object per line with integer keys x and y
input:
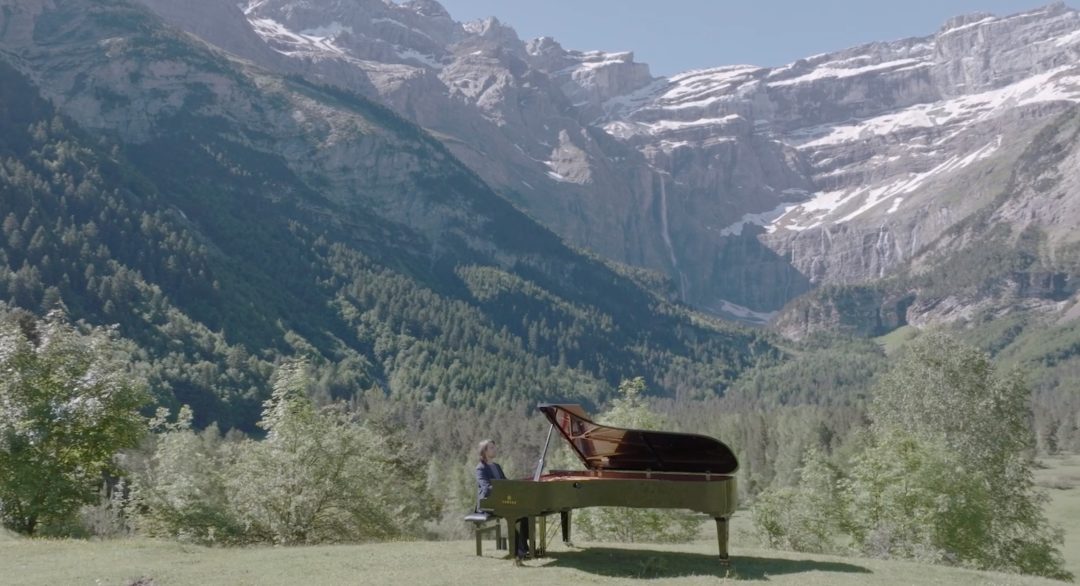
{"x": 896, "y": 339}
{"x": 1061, "y": 479}
{"x": 159, "y": 563}
{"x": 148, "y": 562}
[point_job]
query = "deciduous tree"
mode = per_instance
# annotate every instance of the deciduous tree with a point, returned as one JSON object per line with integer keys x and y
{"x": 320, "y": 475}
{"x": 68, "y": 403}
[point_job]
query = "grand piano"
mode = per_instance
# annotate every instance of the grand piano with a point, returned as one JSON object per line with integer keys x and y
{"x": 623, "y": 468}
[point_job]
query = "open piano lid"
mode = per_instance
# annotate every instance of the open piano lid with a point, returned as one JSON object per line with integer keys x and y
{"x": 610, "y": 448}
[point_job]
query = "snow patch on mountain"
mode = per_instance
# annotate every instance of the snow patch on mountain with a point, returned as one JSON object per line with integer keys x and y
{"x": 326, "y": 31}
{"x": 294, "y": 43}
{"x": 766, "y": 219}
{"x": 824, "y": 205}
{"x": 970, "y": 25}
{"x": 398, "y": 23}
{"x": 625, "y": 130}
{"x": 1062, "y": 83}
{"x": 591, "y": 60}
{"x": 839, "y": 72}
{"x": 1066, "y": 40}
{"x": 696, "y": 89}
{"x": 744, "y": 314}
{"x": 414, "y": 55}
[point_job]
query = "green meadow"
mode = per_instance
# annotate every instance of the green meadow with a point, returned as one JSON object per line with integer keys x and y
{"x": 146, "y": 562}
{"x": 1060, "y": 477}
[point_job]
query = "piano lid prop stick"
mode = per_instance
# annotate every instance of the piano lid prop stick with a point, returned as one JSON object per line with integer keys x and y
{"x": 543, "y": 455}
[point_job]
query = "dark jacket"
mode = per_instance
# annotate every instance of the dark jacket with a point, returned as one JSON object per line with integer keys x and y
{"x": 485, "y": 473}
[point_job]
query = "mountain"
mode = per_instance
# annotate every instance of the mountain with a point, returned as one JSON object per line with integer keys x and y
{"x": 921, "y": 181}
{"x": 227, "y": 216}
{"x": 748, "y": 186}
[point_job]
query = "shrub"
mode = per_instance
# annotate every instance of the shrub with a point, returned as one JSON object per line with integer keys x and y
{"x": 946, "y": 475}
{"x": 319, "y": 476}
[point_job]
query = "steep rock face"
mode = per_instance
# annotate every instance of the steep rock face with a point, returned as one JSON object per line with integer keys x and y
{"x": 588, "y": 78}
{"x": 858, "y": 311}
{"x": 749, "y": 186}
{"x": 1018, "y": 252}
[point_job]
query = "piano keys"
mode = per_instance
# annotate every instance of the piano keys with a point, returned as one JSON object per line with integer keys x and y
{"x": 623, "y": 468}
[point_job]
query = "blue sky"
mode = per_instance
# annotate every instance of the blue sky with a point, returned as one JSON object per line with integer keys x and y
{"x": 676, "y": 35}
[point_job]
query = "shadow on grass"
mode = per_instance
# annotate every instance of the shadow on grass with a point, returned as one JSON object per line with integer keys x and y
{"x": 648, "y": 564}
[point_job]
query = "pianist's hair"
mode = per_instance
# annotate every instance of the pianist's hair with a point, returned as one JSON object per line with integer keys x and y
{"x": 483, "y": 448}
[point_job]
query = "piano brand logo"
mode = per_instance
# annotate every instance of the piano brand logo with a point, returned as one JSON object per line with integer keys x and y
{"x": 509, "y": 500}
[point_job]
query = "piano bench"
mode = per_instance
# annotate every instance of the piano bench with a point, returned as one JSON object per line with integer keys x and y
{"x": 484, "y": 523}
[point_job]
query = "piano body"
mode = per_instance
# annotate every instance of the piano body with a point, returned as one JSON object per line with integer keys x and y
{"x": 624, "y": 468}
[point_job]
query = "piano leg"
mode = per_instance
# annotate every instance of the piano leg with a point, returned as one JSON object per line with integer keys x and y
{"x": 511, "y": 537}
{"x": 532, "y": 536}
{"x": 564, "y": 516}
{"x": 722, "y": 538}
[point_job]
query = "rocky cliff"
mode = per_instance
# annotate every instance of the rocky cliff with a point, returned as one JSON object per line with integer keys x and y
{"x": 1017, "y": 254}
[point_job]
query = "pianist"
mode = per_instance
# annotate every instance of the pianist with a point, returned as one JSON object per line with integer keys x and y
{"x": 486, "y": 471}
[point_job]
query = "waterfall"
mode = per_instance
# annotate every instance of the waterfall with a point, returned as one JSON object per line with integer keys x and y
{"x": 667, "y": 236}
